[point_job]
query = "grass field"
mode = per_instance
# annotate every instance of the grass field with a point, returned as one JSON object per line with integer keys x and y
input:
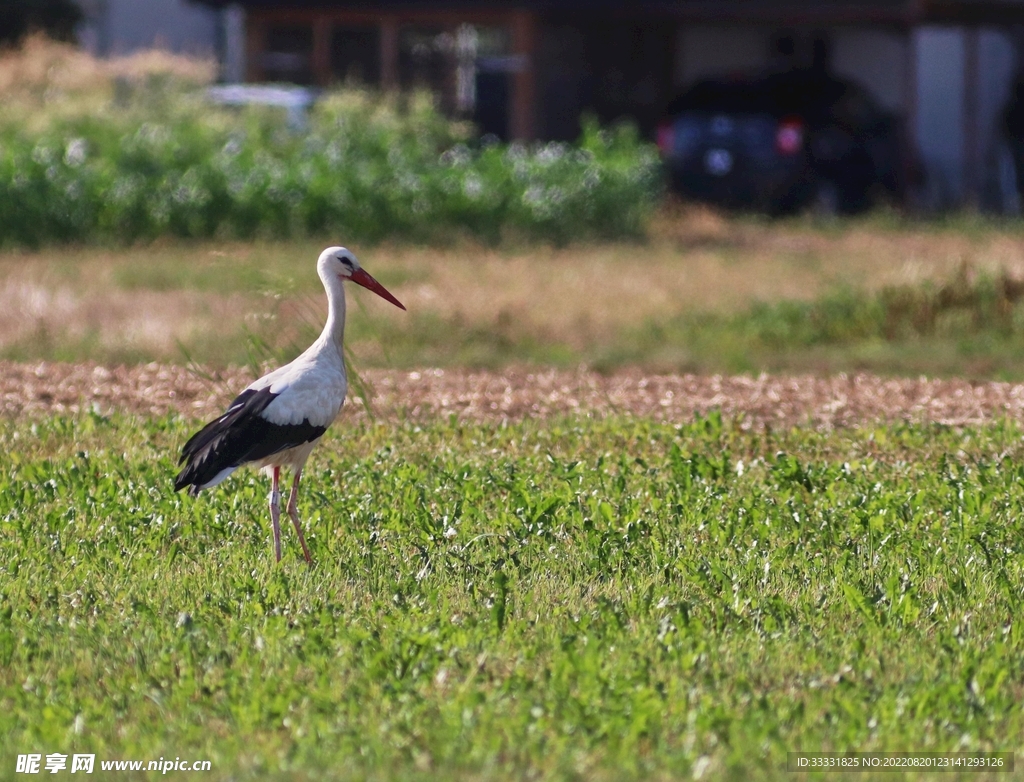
{"x": 703, "y": 293}
{"x": 568, "y": 599}
{"x": 589, "y": 598}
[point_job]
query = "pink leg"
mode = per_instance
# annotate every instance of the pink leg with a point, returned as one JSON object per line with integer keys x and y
{"x": 275, "y": 511}
{"x": 293, "y": 511}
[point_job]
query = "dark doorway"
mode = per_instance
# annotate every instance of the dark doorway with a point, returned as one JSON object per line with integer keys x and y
{"x": 630, "y": 71}
{"x": 355, "y": 55}
{"x": 423, "y": 61}
{"x": 615, "y": 70}
{"x": 493, "y": 90}
{"x": 288, "y": 56}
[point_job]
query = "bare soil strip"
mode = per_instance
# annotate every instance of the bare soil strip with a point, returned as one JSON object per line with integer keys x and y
{"x": 35, "y": 390}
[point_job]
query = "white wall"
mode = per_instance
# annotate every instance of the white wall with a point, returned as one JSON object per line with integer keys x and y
{"x": 233, "y": 63}
{"x": 114, "y": 27}
{"x": 122, "y": 26}
{"x": 940, "y": 131}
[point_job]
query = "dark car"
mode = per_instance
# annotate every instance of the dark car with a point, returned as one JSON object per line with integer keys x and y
{"x": 782, "y": 142}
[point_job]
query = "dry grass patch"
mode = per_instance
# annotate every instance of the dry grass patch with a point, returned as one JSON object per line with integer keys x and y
{"x": 517, "y": 394}
{"x": 208, "y": 300}
{"x": 695, "y": 260}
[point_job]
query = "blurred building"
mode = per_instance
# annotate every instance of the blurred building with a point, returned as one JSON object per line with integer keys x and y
{"x": 532, "y": 69}
{"x": 117, "y": 27}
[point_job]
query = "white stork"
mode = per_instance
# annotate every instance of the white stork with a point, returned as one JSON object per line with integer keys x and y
{"x": 278, "y": 420}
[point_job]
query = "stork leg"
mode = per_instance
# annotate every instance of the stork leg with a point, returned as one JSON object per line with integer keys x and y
{"x": 293, "y": 512}
{"x": 275, "y": 511}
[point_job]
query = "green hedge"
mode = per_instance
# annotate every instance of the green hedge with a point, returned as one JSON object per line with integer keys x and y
{"x": 364, "y": 169}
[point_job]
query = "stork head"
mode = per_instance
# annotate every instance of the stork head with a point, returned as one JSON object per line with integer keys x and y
{"x": 339, "y": 262}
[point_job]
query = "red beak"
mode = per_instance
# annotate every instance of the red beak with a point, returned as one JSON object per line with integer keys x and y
{"x": 360, "y": 277}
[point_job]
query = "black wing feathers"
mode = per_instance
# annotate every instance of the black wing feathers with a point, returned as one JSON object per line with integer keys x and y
{"x": 240, "y": 435}
{"x": 248, "y": 403}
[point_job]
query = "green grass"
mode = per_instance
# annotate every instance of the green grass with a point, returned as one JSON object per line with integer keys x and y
{"x": 965, "y": 325}
{"x": 568, "y": 599}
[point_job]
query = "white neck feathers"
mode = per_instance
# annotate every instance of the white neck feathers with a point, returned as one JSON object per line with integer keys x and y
{"x": 334, "y": 330}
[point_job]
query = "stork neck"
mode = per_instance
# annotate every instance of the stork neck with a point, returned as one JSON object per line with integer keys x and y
{"x": 334, "y": 329}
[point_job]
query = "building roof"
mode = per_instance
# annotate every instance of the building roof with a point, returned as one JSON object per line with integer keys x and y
{"x": 786, "y": 11}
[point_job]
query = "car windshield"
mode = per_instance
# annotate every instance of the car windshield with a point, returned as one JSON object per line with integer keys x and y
{"x": 810, "y": 94}
{"x": 725, "y": 96}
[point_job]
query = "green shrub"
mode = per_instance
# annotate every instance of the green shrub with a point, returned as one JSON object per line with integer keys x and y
{"x": 365, "y": 169}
